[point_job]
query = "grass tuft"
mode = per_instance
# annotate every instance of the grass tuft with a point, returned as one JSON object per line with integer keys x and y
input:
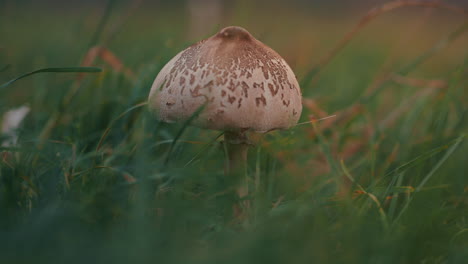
{"x": 375, "y": 171}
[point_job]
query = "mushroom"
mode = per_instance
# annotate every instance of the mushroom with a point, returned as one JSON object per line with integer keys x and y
{"x": 239, "y": 85}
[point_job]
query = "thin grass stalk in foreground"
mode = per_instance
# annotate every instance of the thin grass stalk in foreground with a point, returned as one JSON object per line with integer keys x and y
{"x": 314, "y": 120}
{"x": 313, "y": 74}
{"x": 61, "y": 70}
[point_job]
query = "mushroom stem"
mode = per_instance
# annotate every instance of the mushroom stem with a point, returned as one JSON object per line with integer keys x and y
{"x": 235, "y": 167}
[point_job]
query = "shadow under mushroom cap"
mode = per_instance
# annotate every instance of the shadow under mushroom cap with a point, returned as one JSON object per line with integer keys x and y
{"x": 241, "y": 83}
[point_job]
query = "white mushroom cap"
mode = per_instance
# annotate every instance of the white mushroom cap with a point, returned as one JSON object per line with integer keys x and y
{"x": 240, "y": 82}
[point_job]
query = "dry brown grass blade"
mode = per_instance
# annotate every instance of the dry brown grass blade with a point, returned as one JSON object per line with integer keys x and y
{"x": 352, "y": 148}
{"x": 317, "y": 111}
{"x": 107, "y": 56}
{"x": 343, "y": 117}
{"x": 89, "y": 59}
{"x": 372, "y": 14}
{"x": 7, "y": 158}
{"x": 110, "y": 58}
{"x": 278, "y": 202}
{"x": 313, "y": 106}
{"x": 357, "y": 146}
{"x": 347, "y": 115}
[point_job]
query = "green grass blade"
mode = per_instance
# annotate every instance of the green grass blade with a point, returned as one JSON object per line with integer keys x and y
{"x": 393, "y": 203}
{"x": 203, "y": 150}
{"x": 106, "y": 132}
{"x": 422, "y": 158}
{"x": 383, "y": 216}
{"x": 325, "y": 146}
{"x": 430, "y": 174}
{"x": 441, "y": 161}
{"x": 181, "y": 131}
{"x": 66, "y": 69}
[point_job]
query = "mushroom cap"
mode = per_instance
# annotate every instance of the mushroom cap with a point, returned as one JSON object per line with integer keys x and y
{"x": 236, "y": 81}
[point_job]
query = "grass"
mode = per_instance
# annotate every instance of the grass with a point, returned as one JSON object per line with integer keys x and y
{"x": 95, "y": 176}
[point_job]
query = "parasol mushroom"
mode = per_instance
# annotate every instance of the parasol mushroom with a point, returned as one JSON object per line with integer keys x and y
{"x": 242, "y": 85}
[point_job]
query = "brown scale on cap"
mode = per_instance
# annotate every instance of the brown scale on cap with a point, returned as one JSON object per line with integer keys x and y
{"x": 243, "y": 84}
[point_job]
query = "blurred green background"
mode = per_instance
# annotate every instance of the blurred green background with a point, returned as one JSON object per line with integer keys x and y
{"x": 94, "y": 177}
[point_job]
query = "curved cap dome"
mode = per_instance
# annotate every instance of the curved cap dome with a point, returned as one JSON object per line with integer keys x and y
{"x": 241, "y": 83}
